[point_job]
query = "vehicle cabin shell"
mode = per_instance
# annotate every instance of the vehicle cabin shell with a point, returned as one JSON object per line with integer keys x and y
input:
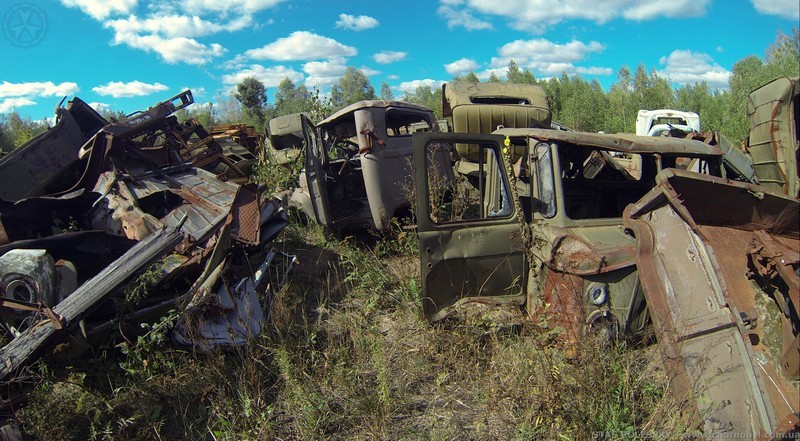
{"x": 484, "y": 107}
{"x": 656, "y": 122}
{"x": 357, "y": 169}
{"x": 774, "y": 141}
{"x": 571, "y": 194}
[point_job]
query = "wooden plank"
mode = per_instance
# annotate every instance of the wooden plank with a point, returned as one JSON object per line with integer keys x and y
{"x": 27, "y": 347}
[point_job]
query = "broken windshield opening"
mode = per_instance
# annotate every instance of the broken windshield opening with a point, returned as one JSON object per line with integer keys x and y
{"x": 598, "y": 185}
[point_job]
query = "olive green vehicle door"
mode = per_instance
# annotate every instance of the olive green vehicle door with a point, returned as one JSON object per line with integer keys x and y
{"x": 468, "y": 228}
{"x": 315, "y": 173}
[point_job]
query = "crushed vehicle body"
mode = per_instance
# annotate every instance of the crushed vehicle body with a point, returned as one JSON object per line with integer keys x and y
{"x": 774, "y": 141}
{"x": 718, "y": 262}
{"x": 241, "y": 146}
{"x": 681, "y": 124}
{"x": 542, "y": 225}
{"x": 357, "y": 162}
{"x": 141, "y": 231}
{"x": 42, "y": 165}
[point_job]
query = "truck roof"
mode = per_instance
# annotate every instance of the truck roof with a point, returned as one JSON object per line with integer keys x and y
{"x": 620, "y": 142}
{"x": 458, "y": 93}
{"x": 365, "y": 104}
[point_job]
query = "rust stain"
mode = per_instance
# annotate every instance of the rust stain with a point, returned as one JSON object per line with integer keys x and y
{"x": 562, "y": 295}
{"x": 246, "y": 216}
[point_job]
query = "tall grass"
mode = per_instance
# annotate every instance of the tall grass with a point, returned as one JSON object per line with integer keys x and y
{"x": 347, "y": 355}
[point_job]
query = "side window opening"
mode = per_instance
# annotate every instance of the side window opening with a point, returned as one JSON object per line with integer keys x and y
{"x": 404, "y": 123}
{"x": 545, "y": 182}
{"x": 458, "y": 198}
{"x": 697, "y": 165}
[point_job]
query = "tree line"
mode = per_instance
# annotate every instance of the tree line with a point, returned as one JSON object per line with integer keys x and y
{"x": 575, "y": 102}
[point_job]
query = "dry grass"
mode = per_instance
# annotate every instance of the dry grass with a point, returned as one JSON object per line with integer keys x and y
{"x": 348, "y": 356}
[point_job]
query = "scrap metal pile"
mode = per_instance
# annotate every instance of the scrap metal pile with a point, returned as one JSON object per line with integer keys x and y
{"x": 104, "y": 226}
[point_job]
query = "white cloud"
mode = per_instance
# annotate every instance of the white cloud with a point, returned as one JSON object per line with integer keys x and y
{"x": 175, "y": 26}
{"x": 594, "y": 70}
{"x": 369, "y": 71}
{"x": 411, "y": 86}
{"x": 8, "y": 105}
{"x": 100, "y": 107}
{"x": 172, "y": 50}
{"x": 462, "y": 66}
{"x": 334, "y": 67}
{"x": 118, "y": 89}
{"x": 555, "y": 69}
{"x": 101, "y": 9}
{"x": 170, "y": 36}
{"x": 783, "y": 8}
{"x": 228, "y": 6}
{"x": 386, "y": 57}
{"x": 324, "y": 73}
{"x": 301, "y": 45}
{"x": 535, "y": 16}
{"x": 48, "y": 121}
{"x": 652, "y": 9}
{"x": 207, "y": 106}
{"x": 463, "y": 18}
{"x": 43, "y": 89}
{"x": 542, "y": 56}
{"x": 393, "y": 77}
{"x": 172, "y": 27}
{"x": 688, "y": 67}
{"x": 271, "y": 76}
{"x": 197, "y": 92}
{"x": 356, "y": 23}
{"x": 546, "y": 51}
{"x": 499, "y": 72}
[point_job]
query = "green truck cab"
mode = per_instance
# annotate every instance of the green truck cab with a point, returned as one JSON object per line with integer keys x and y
{"x": 541, "y": 224}
{"x": 557, "y": 223}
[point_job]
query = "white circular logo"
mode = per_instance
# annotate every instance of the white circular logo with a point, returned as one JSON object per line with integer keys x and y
{"x": 25, "y": 25}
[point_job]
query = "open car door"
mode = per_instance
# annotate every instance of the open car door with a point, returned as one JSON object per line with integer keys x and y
{"x": 315, "y": 173}
{"x": 468, "y": 227}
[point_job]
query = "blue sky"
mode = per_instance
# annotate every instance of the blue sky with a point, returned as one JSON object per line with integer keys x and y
{"x": 129, "y": 54}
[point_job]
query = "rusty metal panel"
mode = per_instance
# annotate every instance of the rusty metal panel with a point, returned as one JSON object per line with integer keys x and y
{"x": 245, "y": 225}
{"x": 44, "y": 162}
{"x": 693, "y": 234}
{"x": 698, "y": 332}
{"x": 773, "y": 139}
{"x": 563, "y": 298}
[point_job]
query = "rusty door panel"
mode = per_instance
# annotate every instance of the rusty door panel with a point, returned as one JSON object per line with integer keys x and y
{"x": 695, "y": 236}
{"x": 473, "y": 260}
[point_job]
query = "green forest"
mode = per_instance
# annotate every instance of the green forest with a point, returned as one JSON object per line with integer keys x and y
{"x": 575, "y": 102}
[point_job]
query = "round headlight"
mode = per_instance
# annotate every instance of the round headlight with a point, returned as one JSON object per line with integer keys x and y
{"x": 598, "y": 294}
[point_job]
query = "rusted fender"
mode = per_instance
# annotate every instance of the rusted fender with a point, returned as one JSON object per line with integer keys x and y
{"x": 570, "y": 251}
